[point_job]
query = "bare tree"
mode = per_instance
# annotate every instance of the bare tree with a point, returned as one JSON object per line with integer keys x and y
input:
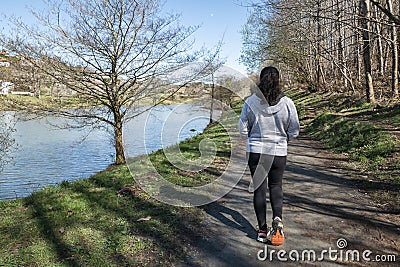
{"x": 395, "y": 54}
{"x": 214, "y": 65}
{"x": 111, "y": 53}
{"x": 365, "y": 15}
{"x": 389, "y": 12}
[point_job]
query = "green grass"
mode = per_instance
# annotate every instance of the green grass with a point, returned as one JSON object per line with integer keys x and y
{"x": 361, "y": 141}
{"x": 191, "y": 152}
{"x": 359, "y": 132}
{"x": 88, "y": 223}
{"x": 108, "y": 220}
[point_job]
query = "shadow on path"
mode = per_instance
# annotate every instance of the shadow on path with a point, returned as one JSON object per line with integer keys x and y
{"x": 230, "y": 218}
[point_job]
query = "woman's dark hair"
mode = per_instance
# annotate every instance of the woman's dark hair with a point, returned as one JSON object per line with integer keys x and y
{"x": 270, "y": 84}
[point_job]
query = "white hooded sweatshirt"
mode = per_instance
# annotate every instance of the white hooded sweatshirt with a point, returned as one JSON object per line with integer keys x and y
{"x": 268, "y": 128}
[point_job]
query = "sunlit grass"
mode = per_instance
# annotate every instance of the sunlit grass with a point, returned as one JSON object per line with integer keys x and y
{"x": 362, "y": 133}
{"x": 107, "y": 220}
{"x": 362, "y": 141}
{"x": 87, "y": 223}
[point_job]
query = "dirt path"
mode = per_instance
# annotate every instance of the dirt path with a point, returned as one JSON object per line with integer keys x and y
{"x": 322, "y": 205}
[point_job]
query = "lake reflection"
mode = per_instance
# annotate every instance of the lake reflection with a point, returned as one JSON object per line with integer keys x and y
{"x": 47, "y": 155}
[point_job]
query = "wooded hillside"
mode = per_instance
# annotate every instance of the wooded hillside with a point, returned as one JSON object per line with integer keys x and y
{"x": 328, "y": 45}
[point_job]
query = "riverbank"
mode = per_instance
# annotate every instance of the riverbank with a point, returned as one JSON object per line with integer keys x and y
{"x": 55, "y": 154}
{"x": 94, "y": 222}
{"x": 107, "y": 220}
{"x": 45, "y": 102}
{"x": 50, "y": 102}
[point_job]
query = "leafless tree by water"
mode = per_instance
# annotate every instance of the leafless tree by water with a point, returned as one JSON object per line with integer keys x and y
{"x": 112, "y": 54}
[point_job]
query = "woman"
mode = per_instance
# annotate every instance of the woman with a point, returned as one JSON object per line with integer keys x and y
{"x": 268, "y": 121}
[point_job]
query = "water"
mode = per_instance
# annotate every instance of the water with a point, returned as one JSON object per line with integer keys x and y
{"x": 46, "y": 155}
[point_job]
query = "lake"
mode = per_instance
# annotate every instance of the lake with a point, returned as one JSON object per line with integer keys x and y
{"x": 47, "y": 155}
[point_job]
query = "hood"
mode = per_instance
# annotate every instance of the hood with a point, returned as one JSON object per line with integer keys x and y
{"x": 259, "y": 105}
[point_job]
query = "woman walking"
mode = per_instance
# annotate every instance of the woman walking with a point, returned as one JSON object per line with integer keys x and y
{"x": 268, "y": 121}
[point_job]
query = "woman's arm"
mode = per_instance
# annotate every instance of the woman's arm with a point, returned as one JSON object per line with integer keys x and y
{"x": 243, "y": 126}
{"x": 294, "y": 125}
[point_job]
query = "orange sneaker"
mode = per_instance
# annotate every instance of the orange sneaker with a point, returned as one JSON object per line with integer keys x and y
{"x": 275, "y": 234}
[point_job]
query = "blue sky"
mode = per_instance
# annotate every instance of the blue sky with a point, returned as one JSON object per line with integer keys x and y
{"x": 217, "y": 18}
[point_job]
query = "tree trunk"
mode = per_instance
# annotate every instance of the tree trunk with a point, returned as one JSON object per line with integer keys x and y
{"x": 379, "y": 43}
{"x": 341, "y": 44}
{"x": 395, "y": 55}
{"x": 365, "y": 17}
{"x": 212, "y": 99}
{"x": 357, "y": 45}
{"x": 318, "y": 61}
{"x": 119, "y": 146}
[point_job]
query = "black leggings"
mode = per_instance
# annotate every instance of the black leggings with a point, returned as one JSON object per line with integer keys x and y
{"x": 275, "y": 166}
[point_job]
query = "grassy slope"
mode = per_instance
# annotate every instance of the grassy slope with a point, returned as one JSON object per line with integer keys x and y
{"x": 88, "y": 223}
{"x": 364, "y": 135}
{"x": 107, "y": 220}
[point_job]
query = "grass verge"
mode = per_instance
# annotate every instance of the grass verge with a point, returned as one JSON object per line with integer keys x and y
{"x": 95, "y": 222}
{"x": 107, "y": 220}
{"x": 364, "y": 134}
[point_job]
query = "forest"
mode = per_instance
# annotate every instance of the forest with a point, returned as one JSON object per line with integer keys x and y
{"x": 346, "y": 46}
